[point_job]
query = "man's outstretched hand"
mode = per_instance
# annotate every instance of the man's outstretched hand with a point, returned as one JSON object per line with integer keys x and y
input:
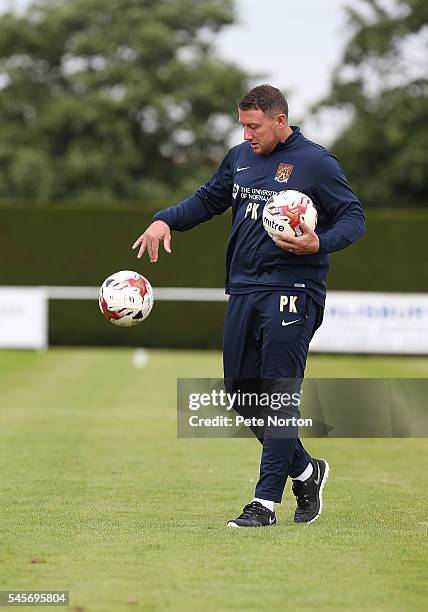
{"x": 157, "y": 231}
{"x": 305, "y": 244}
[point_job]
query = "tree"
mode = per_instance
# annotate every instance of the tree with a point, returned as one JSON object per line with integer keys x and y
{"x": 382, "y": 83}
{"x": 123, "y": 99}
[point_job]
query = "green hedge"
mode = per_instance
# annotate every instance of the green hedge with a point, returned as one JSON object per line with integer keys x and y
{"x": 82, "y": 247}
{"x": 171, "y": 324}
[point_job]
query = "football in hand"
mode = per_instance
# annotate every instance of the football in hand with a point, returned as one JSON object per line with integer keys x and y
{"x": 286, "y": 210}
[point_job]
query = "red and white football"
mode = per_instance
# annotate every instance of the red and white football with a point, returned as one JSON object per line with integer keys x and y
{"x": 285, "y": 210}
{"x": 126, "y": 298}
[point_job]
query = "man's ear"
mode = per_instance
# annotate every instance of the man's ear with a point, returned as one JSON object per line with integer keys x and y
{"x": 281, "y": 120}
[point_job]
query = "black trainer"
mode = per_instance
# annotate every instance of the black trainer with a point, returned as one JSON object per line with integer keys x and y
{"x": 309, "y": 493}
{"x": 254, "y": 515}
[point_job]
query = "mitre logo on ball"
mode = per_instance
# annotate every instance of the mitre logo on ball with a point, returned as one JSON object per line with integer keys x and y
{"x": 286, "y": 210}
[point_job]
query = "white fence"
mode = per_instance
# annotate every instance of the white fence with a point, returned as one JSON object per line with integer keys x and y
{"x": 391, "y": 323}
{"x": 354, "y": 322}
{"x": 23, "y": 317}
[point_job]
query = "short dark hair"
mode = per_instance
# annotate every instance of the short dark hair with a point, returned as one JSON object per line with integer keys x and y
{"x": 265, "y": 98}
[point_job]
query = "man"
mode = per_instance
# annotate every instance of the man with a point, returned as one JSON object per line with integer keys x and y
{"x": 262, "y": 339}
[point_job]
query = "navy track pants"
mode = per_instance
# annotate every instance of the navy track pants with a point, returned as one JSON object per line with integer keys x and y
{"x": 266, "y": 336}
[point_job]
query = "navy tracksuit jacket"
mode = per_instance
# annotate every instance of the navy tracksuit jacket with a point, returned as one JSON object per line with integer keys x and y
{"x": 261, "y": 340}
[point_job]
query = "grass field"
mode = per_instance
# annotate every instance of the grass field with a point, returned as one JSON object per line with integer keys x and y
{"x": 100, "y": 498}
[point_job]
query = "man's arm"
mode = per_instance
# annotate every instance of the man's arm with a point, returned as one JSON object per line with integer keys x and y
{"x": 336, "y": 195}
{"x": 211, "y": 199}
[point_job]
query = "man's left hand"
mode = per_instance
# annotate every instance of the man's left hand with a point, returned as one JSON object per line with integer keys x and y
{"x": 305, "y": 244}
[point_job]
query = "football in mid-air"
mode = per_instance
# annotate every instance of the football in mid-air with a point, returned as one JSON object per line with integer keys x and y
{"x": 285, "y": 210}
{"x": 126, "y": 298}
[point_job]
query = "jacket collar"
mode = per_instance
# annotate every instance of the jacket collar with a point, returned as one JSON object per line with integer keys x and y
{"x": 291, "y": 140}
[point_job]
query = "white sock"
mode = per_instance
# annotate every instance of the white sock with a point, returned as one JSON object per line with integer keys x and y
{"x": 306, "y": 473}
{"x": 265, "y": 502}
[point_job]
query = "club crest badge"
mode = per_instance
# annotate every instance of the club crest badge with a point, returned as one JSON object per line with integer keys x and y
{"x": 283, "y": 173}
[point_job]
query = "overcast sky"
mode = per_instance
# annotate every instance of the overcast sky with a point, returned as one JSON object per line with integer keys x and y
{"x": 292, "y": 45}
{"x": 295, "y": 46}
